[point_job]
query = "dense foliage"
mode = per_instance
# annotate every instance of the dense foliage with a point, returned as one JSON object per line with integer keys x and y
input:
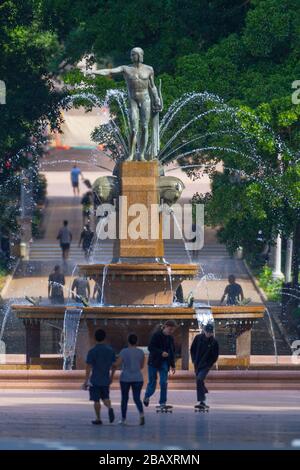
{"x": 247, "y": 52}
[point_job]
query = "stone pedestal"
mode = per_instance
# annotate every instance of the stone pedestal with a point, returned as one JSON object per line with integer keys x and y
{"x": 140, "y": 199}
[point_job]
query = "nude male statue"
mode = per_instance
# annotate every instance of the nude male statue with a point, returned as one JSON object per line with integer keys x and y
{"x": 143, "y": 97}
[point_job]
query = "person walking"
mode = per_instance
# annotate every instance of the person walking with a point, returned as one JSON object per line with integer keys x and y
{"x": 161, "y": 360}
{"x": 81, "y": 289}
{"x": 233, "y": 292}
{"x": 132, "y": 360}
{"x": 65, "y": 238}
{"x": 86, "y": 238}
{"x": 204, "y": 353}
{"x": 100, "y": 369}
{"x": 75, "y": 172}
{"x": 56, "y": 281}
{"x": 87, "y": 202}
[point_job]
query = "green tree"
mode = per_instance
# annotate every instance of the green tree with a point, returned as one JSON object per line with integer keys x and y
{"x": 165, "y": 29}
{"x": 31, "y": 99}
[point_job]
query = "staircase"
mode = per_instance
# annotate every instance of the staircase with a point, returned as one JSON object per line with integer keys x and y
{"x": 174, "y": 252}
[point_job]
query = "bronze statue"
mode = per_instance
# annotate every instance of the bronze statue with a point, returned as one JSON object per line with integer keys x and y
{"x": 143, "y": 98}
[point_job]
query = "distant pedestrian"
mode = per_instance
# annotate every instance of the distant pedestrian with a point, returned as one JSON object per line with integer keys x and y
{"x": 86, "y": 238}
{"x": 178, "y": 297}
{"x": 233, "y": 292}
{"x": 204, "y": 353}
{"x": 80, "y": 288}
{"x": 65, "y": 238}
{"x": 56, "y": 282}
{"x": 131, "y": 360}
{"x": 87, "y": 202}
{"x": 97, "y": 294}
{"x": 161, "y": 360}
{"x": 100, "y": 369}
{"x": 75, "y": 172}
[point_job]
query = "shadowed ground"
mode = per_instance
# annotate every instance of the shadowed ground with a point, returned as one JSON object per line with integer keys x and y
{"x": 237, "y": 420}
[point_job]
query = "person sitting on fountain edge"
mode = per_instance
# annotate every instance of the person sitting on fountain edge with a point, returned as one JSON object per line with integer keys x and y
{"x": 233, "y": 291}
{"x": 161, "y": 359}
{"x": 100, "y": 369}
{"x": 204, "y": 353}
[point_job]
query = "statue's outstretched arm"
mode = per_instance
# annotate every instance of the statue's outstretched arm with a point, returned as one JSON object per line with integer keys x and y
{"x": 106, "y": 72}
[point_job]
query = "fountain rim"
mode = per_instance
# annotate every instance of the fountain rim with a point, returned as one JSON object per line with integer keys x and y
{"x": 137, "y": 312}
{"x": 140, "y": 268}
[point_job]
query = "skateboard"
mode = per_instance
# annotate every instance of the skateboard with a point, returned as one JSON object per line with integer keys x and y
{"x": 201, "y": 409}
{"x": 164, "y": 409}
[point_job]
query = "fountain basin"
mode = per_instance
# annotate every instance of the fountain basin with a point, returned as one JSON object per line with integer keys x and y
{"x": 111, "y": 312}
{"x": 136, "y": 284}
{"x": 143, "y": 320}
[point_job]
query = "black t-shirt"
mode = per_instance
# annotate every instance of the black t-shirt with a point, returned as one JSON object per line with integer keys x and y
{"x": 87, "y": 237}
{"x": 233, "y": 292}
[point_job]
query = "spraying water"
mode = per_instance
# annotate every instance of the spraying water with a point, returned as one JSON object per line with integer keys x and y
{"x": 273, "y": 335}
{"x": 70, "y": 333}
{"x": 104, "y": 274}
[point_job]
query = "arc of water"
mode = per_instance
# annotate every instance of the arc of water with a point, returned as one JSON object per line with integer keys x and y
{"x": 120, "y": 98}
{"x": 191, "y": 121}
{"x": 96, "y": 238}
{"x": 7, "y": 310}
{"x": 104, "y": 274}
{"x": 249, "y": 177}
{"x": 178, "y": 104}
{"x": 169, "y": 270}
{"x": 70, "y": 333}
{"x": 198, "y": 137}
{"x": 219, "y": 148}
{"x": 272, "y": 335}
{"x": 181, "y": 234}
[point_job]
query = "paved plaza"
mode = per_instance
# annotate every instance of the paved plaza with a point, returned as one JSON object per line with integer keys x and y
{"x": 237, "y": 420}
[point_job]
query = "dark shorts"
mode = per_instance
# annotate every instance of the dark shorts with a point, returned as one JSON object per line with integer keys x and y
{"x": 65, "y": 246}
{"x": 75, "y": 184}
{"x": 99, "y": 393}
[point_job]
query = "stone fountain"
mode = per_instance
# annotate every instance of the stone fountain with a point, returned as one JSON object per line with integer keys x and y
{"x": 138, "y": 285}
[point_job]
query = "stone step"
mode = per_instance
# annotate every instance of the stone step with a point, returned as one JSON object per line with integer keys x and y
{"x": 183, "y": 380}
{"x": 103, "y": 252}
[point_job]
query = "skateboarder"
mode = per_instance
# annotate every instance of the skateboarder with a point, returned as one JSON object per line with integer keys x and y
{"x": 100, "y": 369}
{"x": 161, "y": 360}
{"x": 204, "y": 353}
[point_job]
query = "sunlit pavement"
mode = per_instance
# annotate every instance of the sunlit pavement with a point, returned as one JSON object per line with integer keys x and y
{"x": 237, "y": 420}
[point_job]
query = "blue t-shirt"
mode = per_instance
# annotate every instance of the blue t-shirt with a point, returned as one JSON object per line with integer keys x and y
{"x": 75, "y": 172}
{"x": 101, "y": 358}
